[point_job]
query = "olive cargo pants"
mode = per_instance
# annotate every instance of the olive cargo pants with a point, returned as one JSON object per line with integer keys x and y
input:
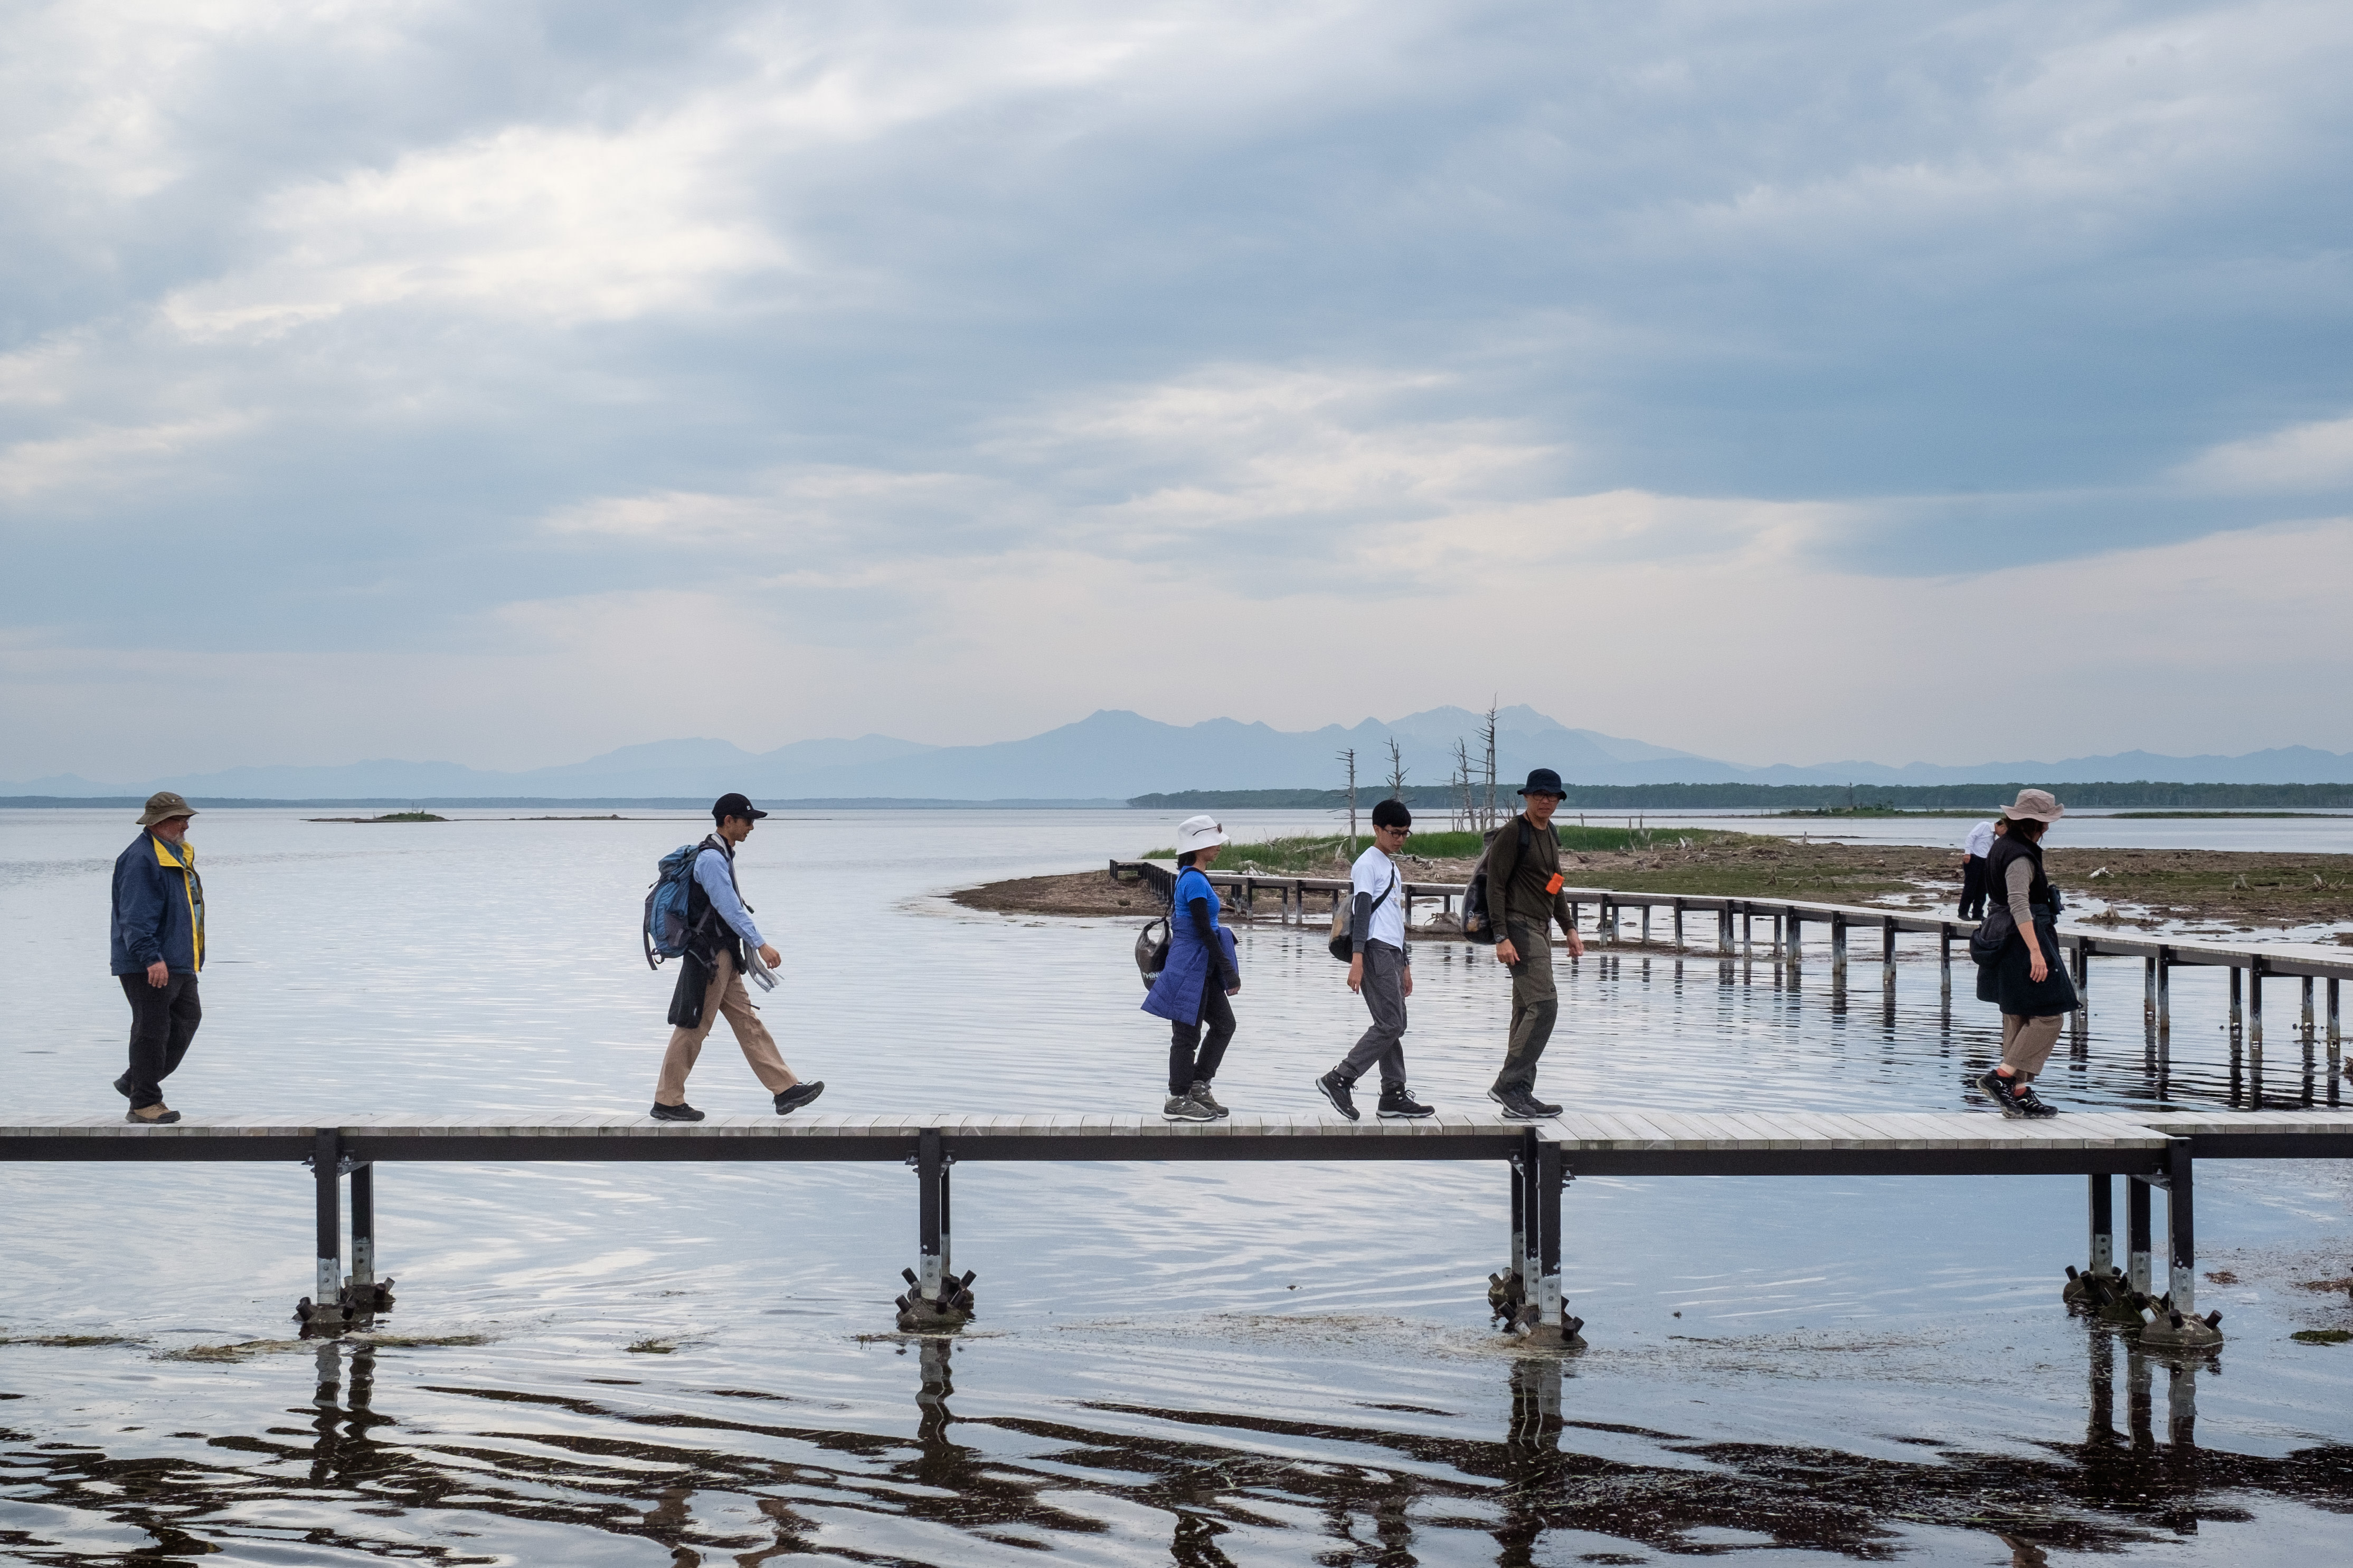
{"x": 1536, "y": 1004}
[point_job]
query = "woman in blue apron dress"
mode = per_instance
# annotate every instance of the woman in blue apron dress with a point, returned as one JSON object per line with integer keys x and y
{"x": 1202, "y": 971}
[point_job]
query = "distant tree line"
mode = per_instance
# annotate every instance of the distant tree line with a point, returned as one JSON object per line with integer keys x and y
{"x": 2139, "y": 793}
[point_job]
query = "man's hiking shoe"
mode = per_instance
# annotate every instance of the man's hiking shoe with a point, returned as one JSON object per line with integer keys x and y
{"x": 1185, "y": 1108}
{"x": 1201, "y": 1096}
{"x": 682, "y": 1111}
{"x": 1519, "y": 1105}
{"x": 2028, "y": 1103}
{"x": 800, "y": 1094}
{"x": 1996, "y": 1087}
{"x": 123, "y": 1086}
{"x": 154, "y": 1116}
{"x": 1334, "y": 1087}
{"x": 1545, "y": 1106}
{"x": 1399, "y": 1105}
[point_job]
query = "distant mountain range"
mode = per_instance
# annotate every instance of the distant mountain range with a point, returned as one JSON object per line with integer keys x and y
{"x": 1114, "y": 754}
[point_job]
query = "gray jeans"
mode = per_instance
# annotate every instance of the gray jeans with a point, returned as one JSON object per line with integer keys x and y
{"x": 1382, "y": 1044}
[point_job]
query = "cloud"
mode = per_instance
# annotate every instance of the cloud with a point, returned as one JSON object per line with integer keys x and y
{"x": 2301, "y": 458}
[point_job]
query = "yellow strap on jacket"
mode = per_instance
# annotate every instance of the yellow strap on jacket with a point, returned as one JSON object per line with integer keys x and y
{"x": 186, "y": 866}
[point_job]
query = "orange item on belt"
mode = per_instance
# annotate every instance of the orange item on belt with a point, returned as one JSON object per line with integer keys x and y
{"x": 1555, "y": 884}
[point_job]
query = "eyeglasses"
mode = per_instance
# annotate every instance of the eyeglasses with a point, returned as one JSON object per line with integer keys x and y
{"x": 1400, "y": 832}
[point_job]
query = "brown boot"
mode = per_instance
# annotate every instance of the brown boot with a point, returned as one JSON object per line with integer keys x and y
{"x": 154, "y": 1115}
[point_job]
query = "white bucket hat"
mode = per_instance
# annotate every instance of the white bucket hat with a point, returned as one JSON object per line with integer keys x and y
{"x": 1199, "y": 833}
{"x": 2034, "y": 805}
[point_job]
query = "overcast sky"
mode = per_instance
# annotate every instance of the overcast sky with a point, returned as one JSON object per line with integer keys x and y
{"x": 1777, "y": 381}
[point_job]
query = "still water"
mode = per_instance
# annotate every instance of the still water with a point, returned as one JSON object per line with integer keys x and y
{"x": 1202, "y": 1365}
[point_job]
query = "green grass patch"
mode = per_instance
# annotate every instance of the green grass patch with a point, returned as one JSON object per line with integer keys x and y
{"x": 408, "y": 816}
{"x": 2321, "y": 1336}
{"x": 653, "y": 1347}
{"x": 66, "y": 1341}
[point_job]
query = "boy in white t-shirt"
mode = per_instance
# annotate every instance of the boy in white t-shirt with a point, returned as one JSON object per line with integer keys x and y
{"x": 1381, "y": 969}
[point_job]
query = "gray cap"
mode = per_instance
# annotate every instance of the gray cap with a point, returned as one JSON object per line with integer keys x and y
{"x": 164, "y": 805}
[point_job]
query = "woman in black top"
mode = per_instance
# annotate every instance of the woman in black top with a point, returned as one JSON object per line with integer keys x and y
{"x": 2028, "y": 980}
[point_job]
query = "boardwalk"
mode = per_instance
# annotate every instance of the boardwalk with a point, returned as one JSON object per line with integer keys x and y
{"x": 2155, "y": 1150}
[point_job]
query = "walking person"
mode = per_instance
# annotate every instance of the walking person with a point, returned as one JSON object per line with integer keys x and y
{"x": 721, "y": 944}
{"x": 1381, "y": 969}
{"x": 1974, "y": 851}
{"x": 1202, "y": 971}
{"x": 158, "y": 950}
{"x": 2028, "y": 980}
{"x": 1524, "y": 891}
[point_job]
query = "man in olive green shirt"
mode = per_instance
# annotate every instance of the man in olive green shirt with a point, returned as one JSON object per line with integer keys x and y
{"x": 1524, "y": 891}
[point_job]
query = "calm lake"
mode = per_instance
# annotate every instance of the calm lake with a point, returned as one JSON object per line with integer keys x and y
{"x": 1190, "y": 1364}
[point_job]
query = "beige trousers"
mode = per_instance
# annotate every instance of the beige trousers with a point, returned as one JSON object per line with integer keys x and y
{"x": 727, "y": 996}
{"x": 2026, "y": 1042}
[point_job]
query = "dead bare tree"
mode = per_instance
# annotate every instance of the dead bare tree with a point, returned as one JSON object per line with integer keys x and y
{"x": 1349, "y": 757}
{"x": 1487, "y": 734}
{"x": 1397, "y": 771}
{"x": 1465, "y": 816}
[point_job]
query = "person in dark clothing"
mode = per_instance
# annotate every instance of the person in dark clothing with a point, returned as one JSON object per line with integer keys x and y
{"x": 2028, "y": 981}
{"x": 1524, "y": 890}
{"x": 1381, "y": 969}
{"x": 1202, "y": 971}
{"x": 1974, "y": 851}
{"x": 158, "y": 952}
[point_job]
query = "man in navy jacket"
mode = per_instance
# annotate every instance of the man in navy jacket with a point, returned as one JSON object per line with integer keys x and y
{"x": 158, "y": 950}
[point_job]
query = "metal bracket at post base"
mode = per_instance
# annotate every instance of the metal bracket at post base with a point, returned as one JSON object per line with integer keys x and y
{"x": 938, "y": 1300}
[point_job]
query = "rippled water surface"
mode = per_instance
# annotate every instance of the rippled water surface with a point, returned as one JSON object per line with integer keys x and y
{"x": 1197, "y": 1364}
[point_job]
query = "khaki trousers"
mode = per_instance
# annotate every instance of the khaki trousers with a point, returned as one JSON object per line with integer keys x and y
{"x": 727, "y": 996}
{"x": 2026, "y": 1042}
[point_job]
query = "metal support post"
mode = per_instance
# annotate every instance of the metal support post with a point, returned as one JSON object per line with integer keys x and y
{"x": 1887, "y": 959}
{"x": 1945, "y": 964}
{"x": 1748, "y": 934}
{"x": 2148, "y": 994}
{"x": 362, "y": 1232}
{"x": 326, "y": 1156}
{"x": 2136, "y": 1247}
{"x": 2307, "y": 984}
{"x": 1522, "y": 1175}
{"x": 2082, "y": 957}
{"x": 1838, "y": 953}
{"x": 2104, "y": 1224}
{"x": 2181, "y": 1228}
{"x": 2238, "y": 1012}
{"x": 2308, "y": 1018}
{"x": 1679, "y": 926}
{"x": 1792, "y": 945}
{"x": 1724, "y": 931}
{"x": 2335, "y": 1035}
{"x": 931, "y": 1169}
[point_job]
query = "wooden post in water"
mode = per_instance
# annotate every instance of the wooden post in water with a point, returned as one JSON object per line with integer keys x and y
{"x": 1679, "y": 927}
{"x": 2136, "y": 1247}
{"x": 2307, "y": 984}
{"x": 1887, "y": 960}
{"x": 2254, "y": 1034}
{"x": 1838, "y": 953}
{"x": 1793, "y": 944}
{"x": 2335, "y": 1038}
{"x": 2164, "y": 1001}
{"x": 326, "y": 1155}
{"x": 363, "y": 1235}
{"x": 1944, "y": 964}
{"x": 2081, "y": 960}
{"x": 2149, "y": 994}
{"x": 2103, "y": 1223}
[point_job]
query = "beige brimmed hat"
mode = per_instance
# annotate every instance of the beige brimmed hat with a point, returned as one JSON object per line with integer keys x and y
{"x": 1199, "y": 833}
{"x": 2036, "y": 805}
{"x": 164, "y": 805}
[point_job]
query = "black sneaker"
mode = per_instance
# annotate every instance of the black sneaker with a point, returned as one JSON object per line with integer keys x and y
{"x": 1201, "y": 1097}
{"x": 682, "y": 1111}
{"x": 163, "y": 1114}
{"x": 1518, "y": 1105}
{"x": 1991, "y": 1085}
{"x": 800, "y": 1094}
{"x": 123, "y": 1086}
{"x": 1185, "y": 1108}
{"x": 2028, "y": 1103}
{"x": 1399, "y": 1105}
{"x": 1545, "y": 1106}
{"x": 1334, "y": 1087}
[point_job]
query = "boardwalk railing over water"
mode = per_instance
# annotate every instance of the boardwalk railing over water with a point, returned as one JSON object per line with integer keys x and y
{"x": 2153, "y": 1151}
{"x": 1736, "y": 939}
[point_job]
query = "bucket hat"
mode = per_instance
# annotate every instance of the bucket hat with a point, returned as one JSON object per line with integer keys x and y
{"x": 164, "y": 805}
{"x": 1542, "y": 781}
{"x": 1199, "y": 833}
{"x": 2035, "y": 805}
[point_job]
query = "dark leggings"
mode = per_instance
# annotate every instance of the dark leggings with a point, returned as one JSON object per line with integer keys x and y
{"x": 1190, "y": 1057}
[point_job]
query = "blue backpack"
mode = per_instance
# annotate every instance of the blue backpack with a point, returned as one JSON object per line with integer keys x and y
{"x": 666, "y": 926}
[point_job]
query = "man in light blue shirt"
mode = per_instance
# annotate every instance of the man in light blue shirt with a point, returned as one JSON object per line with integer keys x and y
{"x": 710, "y": 976}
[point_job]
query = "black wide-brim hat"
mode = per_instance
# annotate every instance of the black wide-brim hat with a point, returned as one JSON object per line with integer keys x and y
{"x": 1542, "y": 781}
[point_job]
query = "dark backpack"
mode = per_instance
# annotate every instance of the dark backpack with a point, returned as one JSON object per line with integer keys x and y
{"x": 666, "y": 924}
{"x": 1478, "y": 911}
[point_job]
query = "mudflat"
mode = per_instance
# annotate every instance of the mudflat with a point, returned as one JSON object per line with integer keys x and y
{"x": 2239, "y": 889}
